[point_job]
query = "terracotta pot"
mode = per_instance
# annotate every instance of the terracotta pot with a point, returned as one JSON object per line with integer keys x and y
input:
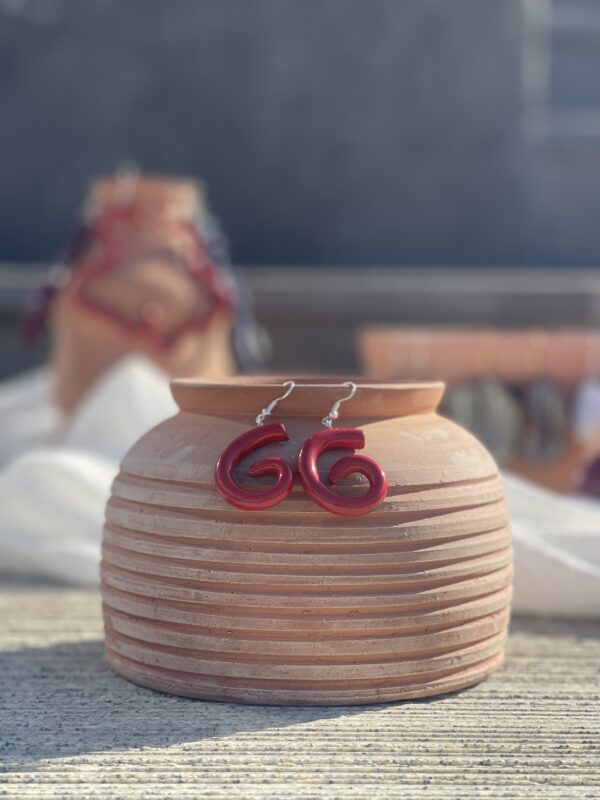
{"x": 294, "y": 605}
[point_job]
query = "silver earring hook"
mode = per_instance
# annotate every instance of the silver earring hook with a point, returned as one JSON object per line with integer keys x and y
{"x": 335, "y": 408}
{"x": 267, "y": 410}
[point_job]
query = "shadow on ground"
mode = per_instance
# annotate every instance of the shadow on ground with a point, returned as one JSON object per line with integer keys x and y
{"x": 64, "y": 700}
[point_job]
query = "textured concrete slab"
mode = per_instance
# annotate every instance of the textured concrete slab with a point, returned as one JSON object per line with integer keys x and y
{"x": 70, "y": 728}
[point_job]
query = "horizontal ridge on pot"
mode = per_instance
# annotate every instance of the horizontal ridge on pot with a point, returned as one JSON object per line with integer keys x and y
{"x": 293, "y": 604}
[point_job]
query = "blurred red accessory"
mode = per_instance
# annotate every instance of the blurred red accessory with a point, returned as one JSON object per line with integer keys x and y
{"x": 103, "y": 245}
{"x": 106, "y": 236}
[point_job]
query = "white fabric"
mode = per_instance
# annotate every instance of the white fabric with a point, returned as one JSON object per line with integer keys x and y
{"x": 28, "y": 418}
{"x": 557, "y": 551}
{"x": 52, "y": 495}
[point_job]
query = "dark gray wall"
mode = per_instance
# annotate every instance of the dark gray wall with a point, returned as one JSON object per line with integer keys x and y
{"x": 328, "y": 131}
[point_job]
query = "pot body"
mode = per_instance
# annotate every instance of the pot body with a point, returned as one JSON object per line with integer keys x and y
{"x": 294, "y": 605}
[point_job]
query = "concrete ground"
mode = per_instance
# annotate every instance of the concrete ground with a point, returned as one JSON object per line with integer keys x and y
{"x": 70, "y": 728}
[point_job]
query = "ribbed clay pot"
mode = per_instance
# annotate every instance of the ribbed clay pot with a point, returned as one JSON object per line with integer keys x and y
{"x": 294, "y": 605}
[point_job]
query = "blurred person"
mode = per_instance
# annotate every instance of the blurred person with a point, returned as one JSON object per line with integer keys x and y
{"x": 146, "y": 292}
{"x": 146, "y": 274}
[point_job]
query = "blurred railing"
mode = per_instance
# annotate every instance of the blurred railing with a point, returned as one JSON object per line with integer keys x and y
{"x": 313, "y": 315}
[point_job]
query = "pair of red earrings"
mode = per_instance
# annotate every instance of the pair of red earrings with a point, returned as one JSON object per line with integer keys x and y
{"x": 328, "y": 439}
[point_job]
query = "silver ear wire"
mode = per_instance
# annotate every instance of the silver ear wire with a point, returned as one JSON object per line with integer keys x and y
{"x": 267, "y": 410}
{"x": 335, "y": 408}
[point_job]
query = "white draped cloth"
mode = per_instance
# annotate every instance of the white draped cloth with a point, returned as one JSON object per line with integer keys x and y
{"x": 55, "y": 478}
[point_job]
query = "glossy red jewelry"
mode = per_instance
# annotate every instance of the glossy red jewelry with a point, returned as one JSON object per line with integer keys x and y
{"x": 323, "y": 496}
{"x": 341, "y": 439}
{"x": 246, "y": 443}
{"x": 248, "y": 499}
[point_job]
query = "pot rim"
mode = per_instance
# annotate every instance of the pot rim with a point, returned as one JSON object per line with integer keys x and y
{"x": 313, "y": 396}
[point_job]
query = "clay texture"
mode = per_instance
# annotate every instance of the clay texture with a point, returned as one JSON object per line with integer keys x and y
{"x": 294, "y": 605}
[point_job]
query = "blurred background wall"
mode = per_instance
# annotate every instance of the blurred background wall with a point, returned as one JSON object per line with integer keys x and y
{"x": 456, "y": 142}
{"x": 336, "y": 132}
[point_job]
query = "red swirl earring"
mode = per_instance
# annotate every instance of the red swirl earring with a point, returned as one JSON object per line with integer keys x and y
{"x": 256, "y": 500}
{"x": 340, "y": 439}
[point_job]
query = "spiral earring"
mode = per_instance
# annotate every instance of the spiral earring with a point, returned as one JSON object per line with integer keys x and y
{"x": 256, "y": 500}
{"x": 340, "y": 439}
